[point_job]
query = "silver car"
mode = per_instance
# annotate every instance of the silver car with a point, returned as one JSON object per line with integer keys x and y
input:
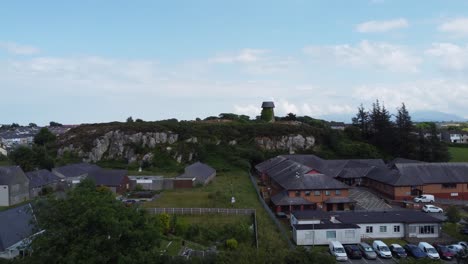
{"x": 367, "y": 251}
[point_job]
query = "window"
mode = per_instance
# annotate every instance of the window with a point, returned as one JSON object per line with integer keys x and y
{"x": 331, "y": 234}
{"x": 369, "y": 229}
{"x": 349, "y": 233}
{"x": 317, "y": 193}
{"x": 383, "y": 229}
{"x": 307, "y": 193}
{"x": 449, "y": 185}
{"x": 427, "y": 229}
{"x": 338, "y": 192}
{"x": 298, "y": 193}
{"x": 327, "y": 193}
{"x": 396, "y": 229}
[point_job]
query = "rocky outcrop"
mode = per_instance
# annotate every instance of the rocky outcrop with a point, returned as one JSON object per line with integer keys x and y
{"x": 118, "y": 145}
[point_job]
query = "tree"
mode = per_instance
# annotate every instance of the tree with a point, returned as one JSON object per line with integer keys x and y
{"x": 14, "y": 125}
{"x": 405, "y": 140}
{"x": 129, "y": 119}
{"x": 362, "y": 120}
{"x": 44, "y": 137}
{"x": 290, "y": 117}
{"x": 139, "y": 120}
{"x": 24, "y": 157}
{"x": 453, "y": 214}
{"x": 54, "y": 124}
{"x": 32, "y": 125}
{"x": 91, "y": 226}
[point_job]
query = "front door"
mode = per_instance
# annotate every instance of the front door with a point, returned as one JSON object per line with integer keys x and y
{"x": 329, "y": 207}
{"x": 340, "y": 207}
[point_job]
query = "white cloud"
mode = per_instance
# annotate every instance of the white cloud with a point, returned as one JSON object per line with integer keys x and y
{"x": 368, "y": 54}
{"x": 250, "y": 110}
{"x": 457, "y": 27}
{"x": 376, "y": 26}
{"x": 243, "y": 56}
{"x": 452, "y": 57}
{"x": 436, "y": 94}
{"x": 15, "y": 48}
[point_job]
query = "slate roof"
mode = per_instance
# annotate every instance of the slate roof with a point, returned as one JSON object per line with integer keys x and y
{"x": 107, "y": 177}
{"x": 268, "y": 104}
{"x": 326, "y": 226}
{"x": 41, "y": 178}
{"x": 9, "y": 172}
{"x": 269, "y": 163}
{"x": 200, "y": 171}
{"x": 283, "y": 199}
{"x": 15, "y": 225}
{"x": 353, "y": 217}
{"x": 77, "y": 169}
{"x": 392, "y": 163}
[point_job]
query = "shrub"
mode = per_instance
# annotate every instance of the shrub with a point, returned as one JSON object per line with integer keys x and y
{"x": 453, "y": 214}
{"x": 231, "y": 243}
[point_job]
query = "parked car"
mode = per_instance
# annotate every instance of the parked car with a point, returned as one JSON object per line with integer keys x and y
{"x": 429, "y": 208}
{"x": 367, "y": 251}
{"x": 425, "y": 198}
{"x": 429, "y": 250}
{"x": 463, "y": 244}
{"x": 414, "y": 251}
{"x": 444, "y": 252}
{"x": 398, "y": 251}
{"x": 338, "y": 251}
{"x": 353, "y": 252}
{"x": 455, "y": 248}
{"x": 381, "y": 249}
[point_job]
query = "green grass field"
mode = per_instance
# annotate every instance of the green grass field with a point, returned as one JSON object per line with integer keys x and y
{"x": 217, "y": 194}
{"x": 458, "y": 154}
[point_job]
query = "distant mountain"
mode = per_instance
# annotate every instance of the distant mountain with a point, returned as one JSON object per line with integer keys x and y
{"x": 425, "y": 116}
{"x": 417, "y": 116}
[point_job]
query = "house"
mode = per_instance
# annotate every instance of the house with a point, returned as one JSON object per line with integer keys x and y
{"x": 318, "y": 227}
{"x": 294, "y": 186}
{"x": 116, "y": 180}
{"x": 19, "y": 136}
{"x": 460, "y": 136}
{"x": 40, "y": 179}
{"x": 14, "y": 186}
{"x": 337, "y": 125}
{"x": 3, "y": 150}
{"x": 154, "y": 183}
{"x": 16, "y": 230}
{"x": 200, "y": 173}
{"x": 74, "y": 173}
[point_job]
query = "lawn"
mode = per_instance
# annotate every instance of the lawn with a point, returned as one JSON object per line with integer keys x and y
{"x": 458, "y": 154}
{"x": 218, "y": 194}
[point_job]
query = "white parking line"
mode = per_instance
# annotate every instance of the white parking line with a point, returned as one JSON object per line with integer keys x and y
{"x": 379, "y": 260}
{"x": 363, "y": 258}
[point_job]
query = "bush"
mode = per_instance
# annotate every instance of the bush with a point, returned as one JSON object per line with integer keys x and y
{"x": 453, "y": 214}
{"x": 231, "y": 243}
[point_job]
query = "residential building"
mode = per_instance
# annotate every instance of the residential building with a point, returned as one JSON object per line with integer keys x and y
{"x": 154, "y": 183}
{"x": 294, "y": 186}
{"x": 40, "y": 179}
{"x": 16, "y": 230}
{"x": 14, "y": 186}
{"x": 452, "y": 136}
{"x": 200, "y": 173}
{"x": 3, "y": 150}
{"x": 337, "y": 125}
{"x": 116, "y": 180}
{"x": 18, "y": 136}
{"x": 318, "y": 228}
{"x": 75, "y": 173}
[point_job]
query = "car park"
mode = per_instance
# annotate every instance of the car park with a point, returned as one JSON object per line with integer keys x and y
{"x": 414, "y": 251}
{"x": 430, "y": 251}
{"x": 367, "y": 251}
{"x": 398, "y": 251}
{"x": 429, "y": 208}
{"x": 353, "y": 251}
{"x": 381, "y": 249}
{"x": 444, "y": 252}
{"x": 425, "y": 198}
{"x": 338, "y": 251}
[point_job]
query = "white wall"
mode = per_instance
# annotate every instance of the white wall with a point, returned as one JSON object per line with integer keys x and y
{"x": 4, "y": 196}
{"x": 377, "y": 234}
{"x": 417, "y": 233}
{"x": 319, "y": 237}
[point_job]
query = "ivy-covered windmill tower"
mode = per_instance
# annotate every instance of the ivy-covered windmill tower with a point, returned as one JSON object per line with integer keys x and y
{"x": 268, "y": 114}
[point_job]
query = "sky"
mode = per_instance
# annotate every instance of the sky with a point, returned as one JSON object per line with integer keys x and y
{"x": 100, "y": 61}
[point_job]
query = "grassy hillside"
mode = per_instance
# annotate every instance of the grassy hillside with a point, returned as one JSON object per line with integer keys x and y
{"x": 458, "y": 154}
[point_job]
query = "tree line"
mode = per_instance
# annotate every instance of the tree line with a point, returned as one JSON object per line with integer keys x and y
{"x": 397, "y": 135}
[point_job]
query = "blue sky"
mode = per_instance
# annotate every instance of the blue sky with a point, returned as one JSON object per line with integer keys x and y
{"x": 97, "y": 61}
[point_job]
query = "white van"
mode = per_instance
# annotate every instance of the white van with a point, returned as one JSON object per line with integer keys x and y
{"x": 338, "y": 251}
{"x": 425, "y": 198}
{"x": 429, "y": 250}
{"x": 381, "y": 249}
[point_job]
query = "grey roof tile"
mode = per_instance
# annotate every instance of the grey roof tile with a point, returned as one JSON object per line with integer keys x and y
{"x": 15, "y": 225}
